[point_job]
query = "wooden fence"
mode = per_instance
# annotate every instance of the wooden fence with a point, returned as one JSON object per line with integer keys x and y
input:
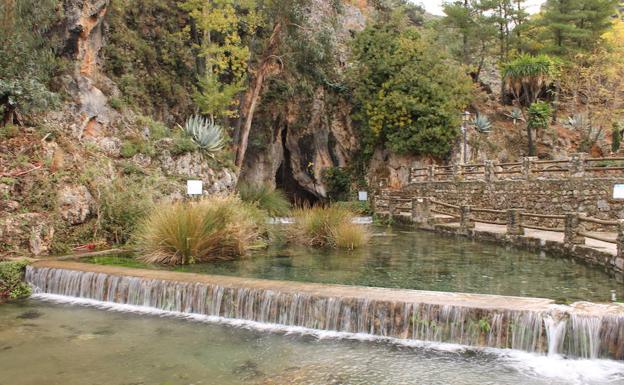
{"x": 576, "y": 228}
{"x": 577, "y": 165}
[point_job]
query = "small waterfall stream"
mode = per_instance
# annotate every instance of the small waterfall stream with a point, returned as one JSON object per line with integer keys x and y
{"x": 556, "y": 332}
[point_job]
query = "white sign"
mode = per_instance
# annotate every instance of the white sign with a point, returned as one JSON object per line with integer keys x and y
{"x": 618, "y": 191}
{"x": 194, "y": 187}
{"x": 362, "y": 195}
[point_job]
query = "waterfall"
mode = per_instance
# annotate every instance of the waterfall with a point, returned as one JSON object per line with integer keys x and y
{"x": 555, "y": 331}
{"x": 270, "y": 302}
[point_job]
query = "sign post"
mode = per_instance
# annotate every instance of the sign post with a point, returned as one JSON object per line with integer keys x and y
{"x": 194, "y": 187}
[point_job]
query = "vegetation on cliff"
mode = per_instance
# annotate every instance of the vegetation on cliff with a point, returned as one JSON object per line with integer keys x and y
{"x": 12, "y": 285}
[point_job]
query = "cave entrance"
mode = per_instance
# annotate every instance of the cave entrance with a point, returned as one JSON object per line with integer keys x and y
{"x": 285, "y": 180}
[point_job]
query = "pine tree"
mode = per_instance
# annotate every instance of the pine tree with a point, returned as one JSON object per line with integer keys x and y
{"x": 576, "y": 25}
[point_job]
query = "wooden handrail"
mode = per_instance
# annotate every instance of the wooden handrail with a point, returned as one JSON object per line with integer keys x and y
{"x": 598, "y": 221}
{"x": 555, "y": 229}
{"x": 491, "y": 211}
{"x": 597, "y": 237}
{"x": 547, "y": 216}
{"x": 444, "y": 213}
{"x": 444, "y": 204}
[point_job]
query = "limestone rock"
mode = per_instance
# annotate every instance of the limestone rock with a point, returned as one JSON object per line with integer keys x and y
{"x": 75, "y": 204}
{"x": 194, "y": 165}
{"x": 27, "y": 231}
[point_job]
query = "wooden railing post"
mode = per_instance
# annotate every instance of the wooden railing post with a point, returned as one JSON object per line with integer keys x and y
{"x": 572, "y": 229}
{"x": 514, "y": 222}
{"x": 466, "y": 221}
{"x": 620, "y": 240}
{"x": 421, "y": 210}
{"x": 489, "y": 171}
{"x": 576, "y": 164}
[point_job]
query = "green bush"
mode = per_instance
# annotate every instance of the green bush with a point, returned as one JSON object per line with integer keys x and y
{"x": 362, "y": 208}
{"x": 338, "y": 182}
{"x": 182, "y": 144}
{"x": 9, "y": 131}
{"x": 122, "y": 205}
{"x": 135, "y": 145}
{"x": 157, "y": 129}
{"x": 274, "y": 202}
{"x": 215, "y": 228}
{"x": 12, "y": 285}
{"x": 327, "y": 227}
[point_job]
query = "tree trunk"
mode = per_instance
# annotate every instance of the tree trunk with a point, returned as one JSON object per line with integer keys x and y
{"x": 253, "y": 94}
{"x": 530, "y": 138}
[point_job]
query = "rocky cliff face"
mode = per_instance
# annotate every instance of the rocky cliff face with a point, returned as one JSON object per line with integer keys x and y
{"x": 307, "y": 134}
{"x": 53, "y": 174}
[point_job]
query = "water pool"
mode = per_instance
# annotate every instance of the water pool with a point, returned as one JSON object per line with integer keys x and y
{"x": 427, "y": 261}
{"x": 47, "y": 343}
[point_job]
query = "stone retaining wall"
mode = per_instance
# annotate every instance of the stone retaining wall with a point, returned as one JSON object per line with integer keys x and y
{"x": 592, "y": 196}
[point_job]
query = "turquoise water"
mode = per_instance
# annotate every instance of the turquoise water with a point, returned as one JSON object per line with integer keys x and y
{"x": 428, "y": 261}
{"x": 55, "y": 344}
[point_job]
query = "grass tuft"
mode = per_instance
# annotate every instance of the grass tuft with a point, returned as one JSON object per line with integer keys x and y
{"x": 327, "y": 227}
{"x": 215, "y": 228}
{"x": 274, "y": 202}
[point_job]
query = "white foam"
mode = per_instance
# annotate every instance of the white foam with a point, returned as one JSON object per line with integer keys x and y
{"x": 532, "y": 364}
{"x": 570, "y": 370}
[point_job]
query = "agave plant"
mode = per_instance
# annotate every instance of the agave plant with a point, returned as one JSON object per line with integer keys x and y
{"x": 205, "y": 132}
{"x": 516, "y": 116}
{"x": 482, "y": 123}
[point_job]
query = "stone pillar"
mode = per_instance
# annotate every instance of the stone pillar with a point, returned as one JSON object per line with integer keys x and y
{"x": 490, "y": 171}
{"x": 572, "y": 228}
{"x": 514, "y": 222}
{"x": 527, "y": 166}
{"x": 421, "y": 210}
{"x": 620, "y": 242}
{"x": 391, "y": 207}
{"x": 465, "y": 219}
{"x": 431, "y": 171}
{"x": 457, "y": 171}
{"x": 576, "y": 164}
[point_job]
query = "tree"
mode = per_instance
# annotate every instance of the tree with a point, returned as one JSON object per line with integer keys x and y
{"x": 223, "y": 55}
{"x": 283, "y": 18}
{"x": 574, "y": 26}
{"x": 527, "y": 78}
{"x": 27, "y": 59}
{"x": 469, "y": 20}
{"x": 408, "y": 95}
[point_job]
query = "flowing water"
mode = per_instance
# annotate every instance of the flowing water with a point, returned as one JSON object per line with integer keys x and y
{"x": 427, "y": 261}
{"x": 56, "y": 344}
{"x": 581, "y": 330}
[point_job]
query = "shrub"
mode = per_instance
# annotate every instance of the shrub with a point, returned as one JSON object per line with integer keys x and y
{"x": 327, "y": 227}
{"x": 274, "y": 202}
{"x": 356, "y": 207}
{"x": 215, "y": 228}
{"x": 136, "y": 145}
{"x": 12, "y": 283}
{"x": 123, "y": 204}
{"x": 338, "y": 182}
{"x": 182, "y": 144}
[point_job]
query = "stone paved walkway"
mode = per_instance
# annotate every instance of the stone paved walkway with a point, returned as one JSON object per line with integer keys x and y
{"x": 552, "y": 236}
